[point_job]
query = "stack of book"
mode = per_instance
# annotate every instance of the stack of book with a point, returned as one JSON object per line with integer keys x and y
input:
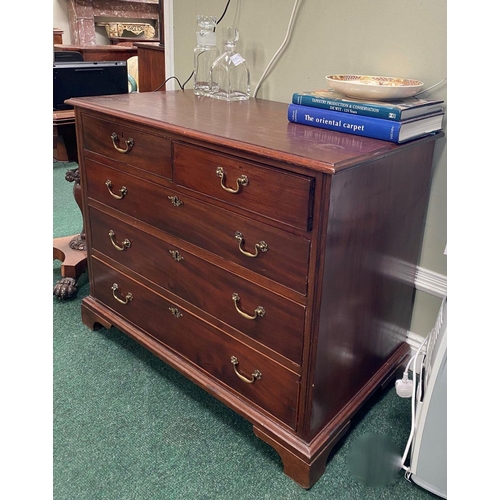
{"x": 394, "y": 121}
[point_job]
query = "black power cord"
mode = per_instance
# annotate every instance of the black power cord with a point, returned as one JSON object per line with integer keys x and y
{"x": 182, "y": 85}
{"x": 225, "y": 10}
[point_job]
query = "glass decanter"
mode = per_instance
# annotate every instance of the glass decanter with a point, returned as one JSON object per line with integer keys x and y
{"x": 229, "y": 75}
{"x": 205, "y": 53}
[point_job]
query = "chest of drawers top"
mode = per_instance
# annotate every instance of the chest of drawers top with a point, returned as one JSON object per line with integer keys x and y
{"x": 255, "y": 127}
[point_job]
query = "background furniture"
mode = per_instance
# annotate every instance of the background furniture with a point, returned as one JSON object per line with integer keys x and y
{"x": 64, "y": 137}
{"x": 151, "y": 62}
{"x": 57, "y": 35}
{"x": 70, "y": 250}
{"x": 269, "y": 262}
{"x": 120, "y": 28}
{"x": 151, "y": 59}
{"x": 100, "y": 52}
{"x": 82, "y": 15}
{"x": 121, "y": 40}
{"x": 67, "y": 56}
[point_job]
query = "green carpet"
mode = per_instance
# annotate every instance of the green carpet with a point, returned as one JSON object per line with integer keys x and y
{"x": 128, "y": 427}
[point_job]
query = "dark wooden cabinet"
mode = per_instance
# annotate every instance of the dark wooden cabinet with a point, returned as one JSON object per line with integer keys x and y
{"x": 151, "y": 63}
{"x": 269, "y": 262}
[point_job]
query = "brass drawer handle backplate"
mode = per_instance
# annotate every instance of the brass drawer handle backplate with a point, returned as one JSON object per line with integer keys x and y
{"x": 259, "y": 312}
{"x": 125, "y": 243}
{"x": 176, "y": 255}
{"x": 176, "y": 202}
{"x": 128, "y": 297}
{"x": 175, "y": 312}
{"x": 240, "y": 181}
{"x": 123, "y": 190}
{"x": 129, "y": 142}
{"x": 256, "y": 375}
{"x": 259, "y": 247}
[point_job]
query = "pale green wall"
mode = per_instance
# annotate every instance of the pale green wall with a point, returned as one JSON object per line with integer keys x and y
{"x": 60, "y": 18}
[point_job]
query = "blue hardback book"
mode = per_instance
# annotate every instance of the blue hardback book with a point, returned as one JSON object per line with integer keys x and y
{"x": 376, "y": 128}
{"x": 398, "y": 110}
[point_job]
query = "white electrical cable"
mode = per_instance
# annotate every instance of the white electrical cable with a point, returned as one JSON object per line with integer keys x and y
{"x": 431, "y": 334}
{"x": 431, "y": 87}
{"x": 285, "y": 41}
{"x": 410, "y": 438}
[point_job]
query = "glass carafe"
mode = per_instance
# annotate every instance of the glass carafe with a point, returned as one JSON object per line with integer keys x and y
{"x": 229, "y": 75}
{"x": 205, "y": 53}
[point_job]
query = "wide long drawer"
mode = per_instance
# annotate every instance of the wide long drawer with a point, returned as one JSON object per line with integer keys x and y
{"x": 257, "y": 312}
{"x": 273, "y": 193}
{"x": 239, "y": 239}
{"x": 146, "y": 149}
{"x": 254, "y": 376}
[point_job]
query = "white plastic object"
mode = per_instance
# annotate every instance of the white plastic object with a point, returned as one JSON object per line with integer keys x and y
{"x": 404, "y": 386}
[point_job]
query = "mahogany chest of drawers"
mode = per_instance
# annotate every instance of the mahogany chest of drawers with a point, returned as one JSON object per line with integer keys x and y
{"x": 269, "y": 262}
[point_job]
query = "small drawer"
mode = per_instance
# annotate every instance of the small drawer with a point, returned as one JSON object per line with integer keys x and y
{"x": 145, "y": 149}
{"x": 284, "y": 258}
{"x": 273, "y": 193}
{"x": 249, "y": 373}
{"x": 262, "y": 315}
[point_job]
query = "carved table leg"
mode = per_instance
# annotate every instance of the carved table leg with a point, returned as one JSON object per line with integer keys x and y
{"x": 71, "y": 250}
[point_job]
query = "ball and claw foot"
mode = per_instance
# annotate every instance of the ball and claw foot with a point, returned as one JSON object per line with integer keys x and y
{"x": 66, "y": 288}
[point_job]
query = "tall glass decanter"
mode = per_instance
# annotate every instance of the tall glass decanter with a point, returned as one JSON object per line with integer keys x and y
{"x": 229, "y": 75}
{"x": 205, "y": 53}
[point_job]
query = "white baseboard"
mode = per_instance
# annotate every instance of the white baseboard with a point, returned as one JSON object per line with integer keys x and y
{"x": 434, "y": 284}
{"x": 430, "y": 282}
{"x": 414, "y": 340}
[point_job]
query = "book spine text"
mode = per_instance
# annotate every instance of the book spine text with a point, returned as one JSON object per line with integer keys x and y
{"x": 342, "y": 122}
{"x": 387, "y": 113}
